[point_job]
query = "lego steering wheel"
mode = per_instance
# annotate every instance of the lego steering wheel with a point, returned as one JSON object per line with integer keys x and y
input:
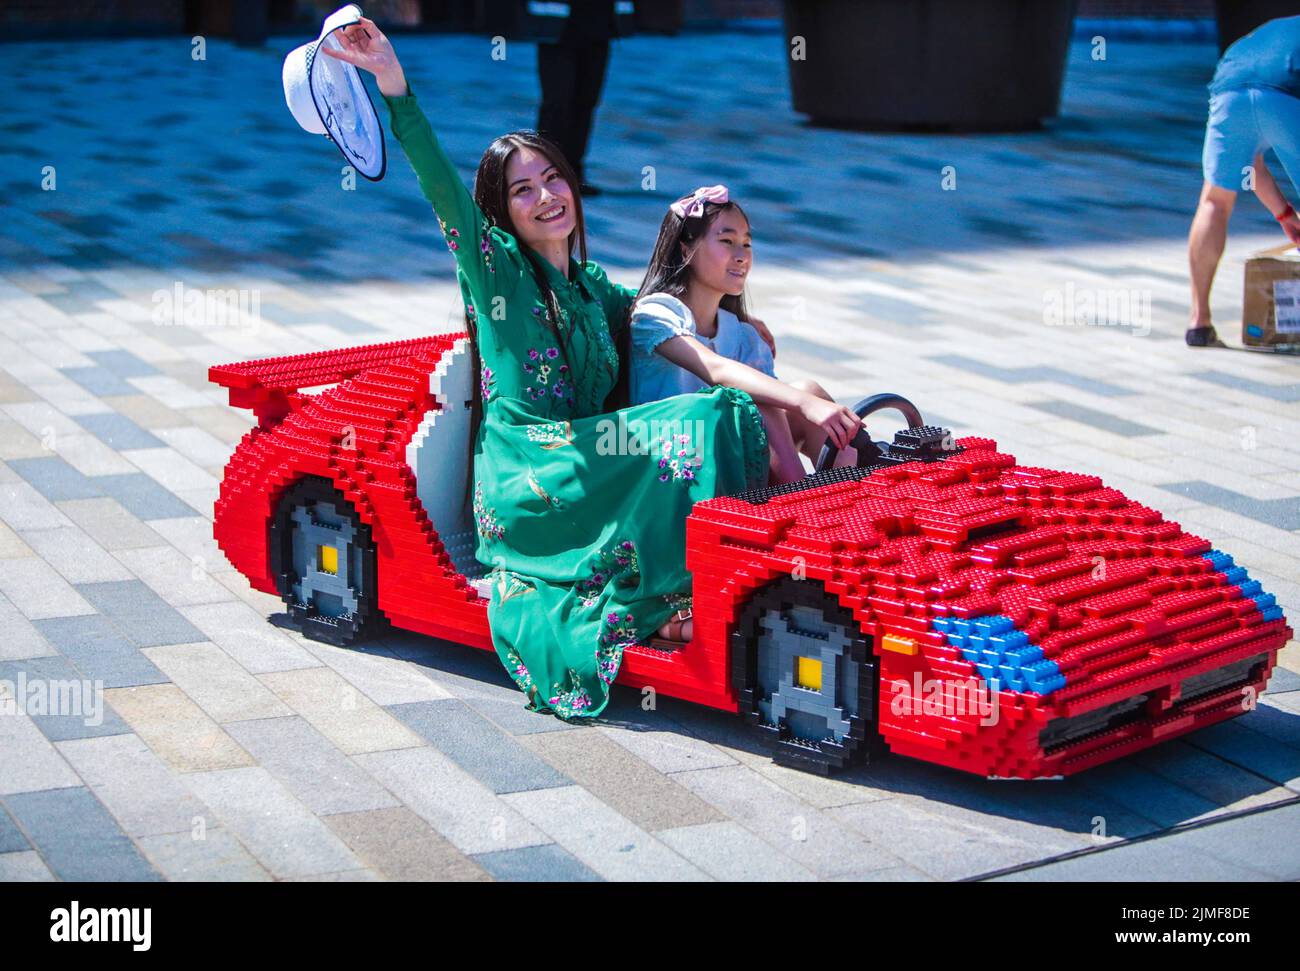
{"x": 868, "y": 450}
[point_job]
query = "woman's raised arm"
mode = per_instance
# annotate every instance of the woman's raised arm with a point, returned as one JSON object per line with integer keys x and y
{"x": 462, "y": 222}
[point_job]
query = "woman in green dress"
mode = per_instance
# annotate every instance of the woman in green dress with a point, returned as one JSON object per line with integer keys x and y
{"x": 581, "y": 514}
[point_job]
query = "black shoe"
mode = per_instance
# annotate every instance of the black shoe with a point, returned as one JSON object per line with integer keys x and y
{"x": 1203, "y": 337}
{"x": 587, "y": 189}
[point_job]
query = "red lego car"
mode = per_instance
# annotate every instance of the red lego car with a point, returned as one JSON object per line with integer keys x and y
{"x": 938, "y": 600}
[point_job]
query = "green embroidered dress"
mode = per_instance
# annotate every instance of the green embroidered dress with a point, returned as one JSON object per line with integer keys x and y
{"x": 581, "y": 515}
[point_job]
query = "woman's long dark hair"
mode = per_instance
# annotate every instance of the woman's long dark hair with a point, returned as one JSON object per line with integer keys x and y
{"x": 669, "y": 272}
{"x": 492, "y": 193}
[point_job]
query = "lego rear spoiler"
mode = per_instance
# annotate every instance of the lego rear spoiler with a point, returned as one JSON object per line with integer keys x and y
{"x": 271, "y": 386}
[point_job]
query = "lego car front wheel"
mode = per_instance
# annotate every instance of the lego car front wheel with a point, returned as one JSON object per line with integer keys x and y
{"x": 324, "y": 563}
{"x": 806, "y": 677}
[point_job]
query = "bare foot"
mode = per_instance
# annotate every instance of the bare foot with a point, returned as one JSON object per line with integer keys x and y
{"x": 846, "y": 456}
{"x": 677, "y": 630}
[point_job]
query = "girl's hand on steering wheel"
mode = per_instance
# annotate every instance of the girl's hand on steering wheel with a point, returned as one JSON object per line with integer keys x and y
{"x": 365, "y": 46}
{"x": 839, "y": 422}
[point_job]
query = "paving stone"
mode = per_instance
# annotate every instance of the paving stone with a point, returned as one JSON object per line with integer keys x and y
{"x": 77, "y": 837}
{"x": 177, "y": 579}
{"x": 11, "y": 838}
{"x": 727, "y": 851}
{"x": 59, "y": 701}
{"x": 24, "y": 867}
{"x": 214, "y": 681}
{"x": 1279, "y": 513}
{"x": 815, "y": 839}
{"x": 134, "y": 784}
{"x": 281, "y": 833}
{"x": 77, "y": 557}
{"x": 478, "y": 746}
{"x": 217, "y": 857}
{"x": 176, "y": 729}
{"x": 21, "y": 639}
{"x": 645, "y": 796}
{"x": 381, "y": 676}
{"x": 1097, "y": 419}
{"x": 1222, "y": 783}
{"x": 142, "y": 496}
{"x": 453, "y": 802}
{"x": 339, "y": 711}
{"x": 605, "y": 841}
{"x": 100, "y": 651}
{"x": 308, "y": 765}
{"x": 37, "y": 590}
{"x": 246, "y": 636}
{"x": 401, "y": 846}
{"x": 538, "y": 864}
{"x": 1277, "y": 760}
{"x": 139, "y": 613}
{"x": 28, "y": 762}
{"x": 22, "y": 507}
{"x": 118, "y": 431}
{"x": 55, "y": 479}
{"x": 108, "y": 524}
{"x": 668, "y": 751}
{"x": 122, "y": 363}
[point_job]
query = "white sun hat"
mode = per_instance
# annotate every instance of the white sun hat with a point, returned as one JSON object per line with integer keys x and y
{"x": 327, "y": 97}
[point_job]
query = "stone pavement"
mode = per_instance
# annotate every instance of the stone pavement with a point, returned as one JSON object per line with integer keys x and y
{"x": 231, "y": 748}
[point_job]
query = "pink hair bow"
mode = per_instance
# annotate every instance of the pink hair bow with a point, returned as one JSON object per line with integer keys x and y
{"x": 692, "y": 206}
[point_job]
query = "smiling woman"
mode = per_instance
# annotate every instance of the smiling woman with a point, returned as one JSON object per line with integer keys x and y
{"x": 587, "y": 543}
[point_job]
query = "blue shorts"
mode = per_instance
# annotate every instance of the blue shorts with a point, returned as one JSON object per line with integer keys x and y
{"x": 1244, "y": 122}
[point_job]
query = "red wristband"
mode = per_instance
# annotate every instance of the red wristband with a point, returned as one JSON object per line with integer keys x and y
{"x": 1285, "y": 213}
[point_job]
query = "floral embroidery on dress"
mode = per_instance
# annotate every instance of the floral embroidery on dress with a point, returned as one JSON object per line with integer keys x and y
{"x": 510, "y": 585}
{"x": 612, "y": 563}
{"x": 551, "y": 434}
{"x": 485, "y": 382}
{"x": 450, "y": 233}
{"x": 488, "y": 527}
{"x": 486, "y": 249}
{"x": 676, "y": 460}
{"x": 678, "y": 601}
{"x": 540, "y": 491}
{"x": 518, "y": 670}
{"x": 541, "y": 369}
{"x": 570, "y": 701}
{"x": 618, "y": 632}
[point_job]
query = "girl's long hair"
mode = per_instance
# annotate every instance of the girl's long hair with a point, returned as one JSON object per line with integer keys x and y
{"x": 492, "y": 193}
{"x": 669, "y": 272}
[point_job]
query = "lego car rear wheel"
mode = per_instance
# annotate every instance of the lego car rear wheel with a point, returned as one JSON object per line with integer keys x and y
{"x": 323, "y": 561}
{"x": 806, "y": 677}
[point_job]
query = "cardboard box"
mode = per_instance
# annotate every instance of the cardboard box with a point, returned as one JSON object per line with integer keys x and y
{"x": 1270, "y": 306}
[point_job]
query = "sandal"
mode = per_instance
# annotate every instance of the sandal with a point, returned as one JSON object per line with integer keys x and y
{"x": 674, "y": 624}
{"x": 1203, "y": 337}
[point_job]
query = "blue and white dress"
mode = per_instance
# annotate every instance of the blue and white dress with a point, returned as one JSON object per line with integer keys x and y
{"x": 657, "y": 317}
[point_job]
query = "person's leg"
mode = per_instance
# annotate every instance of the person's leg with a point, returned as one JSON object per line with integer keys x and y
{"x": 592, "y": 59}
{"x": 1231, "y": 139}
{"x": 785, "y": 464}
{"x": 1205, "y": 248}
{"x": 558, "y": 74}
{"x": 1278, "y": 114}
{"x": 809, "y": 438}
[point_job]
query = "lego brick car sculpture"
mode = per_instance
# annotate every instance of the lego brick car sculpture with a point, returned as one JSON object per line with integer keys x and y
{"x": 937, "y": 600}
